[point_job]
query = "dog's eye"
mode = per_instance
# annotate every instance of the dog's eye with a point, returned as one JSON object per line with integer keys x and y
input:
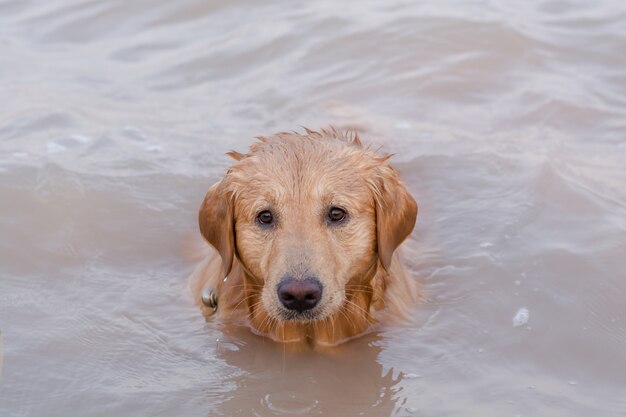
{"x": 265, "y": 217}
{"x": 336, "y": 215}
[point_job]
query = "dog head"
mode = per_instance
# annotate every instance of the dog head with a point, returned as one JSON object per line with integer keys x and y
{"x": 309, "y": 218}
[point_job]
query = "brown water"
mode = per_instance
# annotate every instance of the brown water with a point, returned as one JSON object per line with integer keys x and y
{"x": 508, "y": 123}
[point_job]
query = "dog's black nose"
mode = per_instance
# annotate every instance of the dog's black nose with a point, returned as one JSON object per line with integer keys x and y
{"x": 299, "y": 295}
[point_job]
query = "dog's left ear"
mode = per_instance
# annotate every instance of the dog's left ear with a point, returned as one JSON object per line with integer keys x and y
{"x": 216, "y": 219}
{"x": 396, "y": 211}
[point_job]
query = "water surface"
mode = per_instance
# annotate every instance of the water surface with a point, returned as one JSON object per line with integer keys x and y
{"x": 508, "y": 122}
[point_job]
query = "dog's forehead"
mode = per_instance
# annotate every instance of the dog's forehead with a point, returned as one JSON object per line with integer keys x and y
{"x": 305, "y": 170}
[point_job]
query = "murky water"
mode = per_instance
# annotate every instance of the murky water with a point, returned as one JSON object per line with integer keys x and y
{"x": 508, "y": 122}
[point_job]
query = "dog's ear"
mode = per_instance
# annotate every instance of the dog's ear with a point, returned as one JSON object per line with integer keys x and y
{"x": 216, "y": 218}
{"x": 396, "y": 211}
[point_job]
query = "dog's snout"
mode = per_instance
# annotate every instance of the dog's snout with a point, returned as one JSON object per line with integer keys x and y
{"x": 299, "y": 295}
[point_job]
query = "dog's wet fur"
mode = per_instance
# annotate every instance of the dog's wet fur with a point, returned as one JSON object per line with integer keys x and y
{"x": 305, "y": 229}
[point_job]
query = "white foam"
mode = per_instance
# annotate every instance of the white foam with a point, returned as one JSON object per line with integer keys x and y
{"x": 134, "y": 132}
{"x": 403, "y": 125}
{"x": 53, "y": 147}
{"x": 81, "y": 138}
{"x": 521, "y": 317}
{"x": 153, "y": 148}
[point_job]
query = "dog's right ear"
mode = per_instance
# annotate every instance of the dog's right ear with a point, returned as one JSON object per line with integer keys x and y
{"x": 216, "y": 219}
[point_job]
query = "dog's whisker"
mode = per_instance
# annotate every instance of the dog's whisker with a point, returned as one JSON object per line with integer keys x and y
{"x": 361, "y": 308}
{"x": 325, "y": 321}
{"x": 244, "y": 299}
{"x": 269, "y": 321}
{"x": 348, "y": 318}
{"x": 247, "y": 285}
{"x": 332, "y": 320}
{"x": 358, "y": 307}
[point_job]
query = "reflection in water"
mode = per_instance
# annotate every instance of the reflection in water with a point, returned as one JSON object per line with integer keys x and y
{"x": 340, "y": 381}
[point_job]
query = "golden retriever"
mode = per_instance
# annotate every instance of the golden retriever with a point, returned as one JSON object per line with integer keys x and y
{"x": 305, "y": 229}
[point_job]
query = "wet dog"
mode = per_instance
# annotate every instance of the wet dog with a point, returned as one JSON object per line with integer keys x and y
{"x": 305, "y": 230}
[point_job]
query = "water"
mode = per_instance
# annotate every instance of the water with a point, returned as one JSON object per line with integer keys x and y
{"x": 508, "y": 121}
